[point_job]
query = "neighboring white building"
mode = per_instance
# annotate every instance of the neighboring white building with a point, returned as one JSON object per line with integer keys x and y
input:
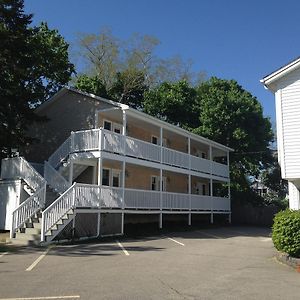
{"x": 103, "y": 161}
{"x": 285, "y": 84}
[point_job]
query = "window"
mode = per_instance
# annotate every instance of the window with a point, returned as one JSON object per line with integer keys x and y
{"x": 155, "y": 182}
{"x": 105, "y": 177}
{"x": 154, "y": 139}
{"x": 203, "y": 189}
{"x": 107, "y": 125}
{"x": 116, "y": 178}
{"x": 117, "y": 128}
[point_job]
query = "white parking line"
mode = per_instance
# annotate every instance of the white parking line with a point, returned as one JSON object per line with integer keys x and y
{"x": 2, "y": 254}
{"x": 175, "y": 241}
{"x": 122, "y": 247}
{"x": 44, "y": 298}
{"x": 210, "y": 235}
{"x": 38, "y": 260}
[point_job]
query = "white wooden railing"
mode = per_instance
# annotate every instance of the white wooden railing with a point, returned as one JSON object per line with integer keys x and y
{"x": 175, "y": 201}
{"x": 142, "y": 199}
{"x": 18, "y": 167}
{"x": 141, "y": 149}
{"x": 61, "y": 153}
{"x": 84, "y": 195}
{"x": 55, "y": 179}
{"x": 101, "y": 139}
{"x": 54, "y": 212}
{"x": 27, "y": 209}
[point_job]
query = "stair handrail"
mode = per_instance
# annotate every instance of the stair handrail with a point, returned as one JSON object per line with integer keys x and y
{"x": 18, "y": 167}
{"x": 28, "y": 209}
{"x": 55, "y": 179}
{"x": 61, "y": 153}
{"x": 54, "y": 212}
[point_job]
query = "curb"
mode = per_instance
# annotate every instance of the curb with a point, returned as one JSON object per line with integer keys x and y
{"x": 289, "y": 260}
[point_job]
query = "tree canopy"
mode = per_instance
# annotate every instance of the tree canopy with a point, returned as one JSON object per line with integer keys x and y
{"x": 34, "y": 64}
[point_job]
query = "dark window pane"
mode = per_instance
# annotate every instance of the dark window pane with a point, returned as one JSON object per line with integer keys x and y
{"x": 105, "y": 177}
{"x": 107, "y": 125}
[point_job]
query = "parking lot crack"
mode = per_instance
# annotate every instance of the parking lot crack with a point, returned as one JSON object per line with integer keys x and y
{"x": 173, "y": 289}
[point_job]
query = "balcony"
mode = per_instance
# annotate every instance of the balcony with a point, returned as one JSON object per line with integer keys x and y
{"x": 104, "y": 140}
{"x": 108, "y": 197}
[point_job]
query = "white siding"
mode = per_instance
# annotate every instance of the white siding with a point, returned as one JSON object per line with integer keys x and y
{"x": 293, "y": 196}
{"x": 290, "y": 118}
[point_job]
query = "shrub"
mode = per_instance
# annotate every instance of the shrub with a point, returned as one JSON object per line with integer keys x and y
{"x": 286, "y": 232}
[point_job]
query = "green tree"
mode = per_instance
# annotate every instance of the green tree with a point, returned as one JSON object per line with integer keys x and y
{"x": 91, "y": 84}
{"x": 174, "y": 103}
{"x": 231, "y": 116}
{"x": 34, "y": 65}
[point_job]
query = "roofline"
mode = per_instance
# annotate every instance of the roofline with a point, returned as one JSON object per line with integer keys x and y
{"x": 172, "y": 127}
{"x": 65, "y": 89}
{"x": 136, "y": 112}
{"x": 274, "y": 76}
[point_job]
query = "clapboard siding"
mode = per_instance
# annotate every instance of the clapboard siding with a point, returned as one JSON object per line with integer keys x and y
{"x": 290, "y": 110}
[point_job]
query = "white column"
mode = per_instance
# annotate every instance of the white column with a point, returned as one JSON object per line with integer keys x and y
{"x": 211, "y": 186}
{"x": 71, "y": 172}
{"x": 123, "y": 196}
{"x": 99, "y": 170}
{"x": 190, "y": 200}
{"x": 98, "y": 223}
{"x": 124, "y": 117}
{"x": 190, "y": 183}
{"x": 160, "y": 177}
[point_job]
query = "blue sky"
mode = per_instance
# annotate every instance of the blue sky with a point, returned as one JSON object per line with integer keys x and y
{"x": 231, "y": 39}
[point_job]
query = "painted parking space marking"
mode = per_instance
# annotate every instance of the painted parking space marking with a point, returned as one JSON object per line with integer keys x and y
{"x": 44, "y": 298}
{"x": 33, "y": 265}
{"x": 175, "y": 241}
{"x": 2, "y": 254}
{"x": 122, "y": 247}
{"x": 210, "y": 235}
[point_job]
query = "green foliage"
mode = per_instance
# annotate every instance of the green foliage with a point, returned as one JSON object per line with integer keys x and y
{"x": 34, "y": 65}
{"x": 91, "y": 84}
{"x": 174, "y": 103}
{"x": 286, "y": 232}
{"x": 127, "y": 87}
{"x": 230, "y": 115}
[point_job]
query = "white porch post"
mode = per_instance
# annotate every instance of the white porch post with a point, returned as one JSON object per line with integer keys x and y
{"x": 229, "y": 192}
{"x": 161, "y": 178}
{"x": 98, "y": 223}
{"x": 211, "y": 186}
{"x": 189, "y": 183}
{"x": 124, "y": 118}
{"x": 71, "y": 172}
{"x": 99, "y": 170}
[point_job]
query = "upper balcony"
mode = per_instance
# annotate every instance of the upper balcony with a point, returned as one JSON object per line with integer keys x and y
{"x": 112, "y": 142}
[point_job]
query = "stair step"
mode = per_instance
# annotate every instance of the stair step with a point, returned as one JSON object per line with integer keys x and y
{"x": 27, "y": 237}
{"x": 22, "y": 242}
{"x": 33, "y": 231}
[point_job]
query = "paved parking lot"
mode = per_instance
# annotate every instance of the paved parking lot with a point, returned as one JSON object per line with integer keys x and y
{"x": 216, "y": 263}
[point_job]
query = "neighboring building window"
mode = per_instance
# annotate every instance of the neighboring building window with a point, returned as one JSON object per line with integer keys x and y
{"x": 107, "y": 125}
{"x": 154, "y": 139}
{"x": 105, "y": 177}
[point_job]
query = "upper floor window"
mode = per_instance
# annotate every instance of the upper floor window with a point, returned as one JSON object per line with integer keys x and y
{"x": 155, "y": 183}
{"x": 115, "y": 127}
{"x": 107, "y": 125}
{"x": 154, "y": 139}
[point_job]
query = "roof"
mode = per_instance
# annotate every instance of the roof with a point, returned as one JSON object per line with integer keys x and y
{"x": 280, "y": 72}
{"x": 134, "y": 112}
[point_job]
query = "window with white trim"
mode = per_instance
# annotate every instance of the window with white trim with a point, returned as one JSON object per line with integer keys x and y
{"x": 155, "y": 182}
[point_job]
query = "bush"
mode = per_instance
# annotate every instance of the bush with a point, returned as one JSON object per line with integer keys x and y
{"x": 286, "y": 232}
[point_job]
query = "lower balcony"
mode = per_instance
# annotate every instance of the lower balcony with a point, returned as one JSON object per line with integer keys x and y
{"x": 115, "y": 198}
